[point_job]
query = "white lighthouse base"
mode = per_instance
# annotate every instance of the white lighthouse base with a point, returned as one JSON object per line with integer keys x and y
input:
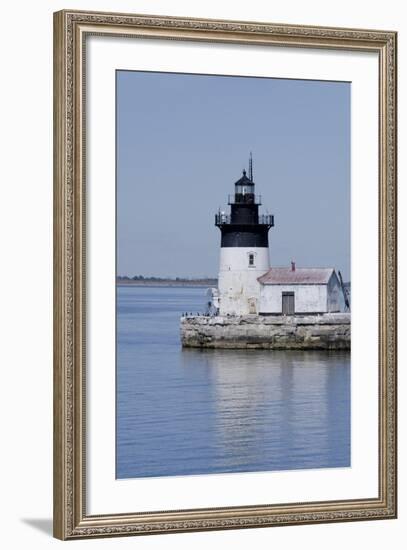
{"x": 239, "y": 289}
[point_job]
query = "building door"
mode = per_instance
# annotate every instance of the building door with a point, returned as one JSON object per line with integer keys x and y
{"x": 252, "y": 306}
{"x": 288, "y": 303}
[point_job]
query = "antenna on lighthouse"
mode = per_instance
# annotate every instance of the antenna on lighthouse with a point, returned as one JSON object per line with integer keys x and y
{"x": 251, "y": 167}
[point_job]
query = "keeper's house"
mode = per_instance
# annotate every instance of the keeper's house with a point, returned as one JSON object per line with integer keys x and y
{"x": 289, "y": 291}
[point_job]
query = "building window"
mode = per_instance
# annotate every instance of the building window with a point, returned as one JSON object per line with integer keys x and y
{"x": 251, "y": 260}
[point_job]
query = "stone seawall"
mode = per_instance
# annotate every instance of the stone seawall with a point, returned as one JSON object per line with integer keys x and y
{"x": 330, "y": 331}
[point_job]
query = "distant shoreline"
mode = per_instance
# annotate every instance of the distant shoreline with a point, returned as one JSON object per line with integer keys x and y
{"x": 193, "y": 283}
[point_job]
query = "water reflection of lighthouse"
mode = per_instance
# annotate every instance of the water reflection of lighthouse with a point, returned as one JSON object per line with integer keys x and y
{"x": 275, "y": 414}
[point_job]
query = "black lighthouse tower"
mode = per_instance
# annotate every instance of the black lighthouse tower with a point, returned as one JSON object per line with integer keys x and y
{"x": 244, "y": 227}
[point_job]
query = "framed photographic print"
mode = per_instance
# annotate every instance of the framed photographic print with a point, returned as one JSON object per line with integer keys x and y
{"x": 225, "y": 274}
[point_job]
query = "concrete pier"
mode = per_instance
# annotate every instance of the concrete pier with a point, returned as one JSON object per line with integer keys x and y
{"x": 328, "y": 331}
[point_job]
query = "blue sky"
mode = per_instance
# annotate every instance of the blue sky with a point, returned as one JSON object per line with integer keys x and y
{"x": 182, "y": 142}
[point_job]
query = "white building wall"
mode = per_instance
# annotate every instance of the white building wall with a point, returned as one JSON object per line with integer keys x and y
{"x": 239, "y": 289}
{"x": 308, "y": 298}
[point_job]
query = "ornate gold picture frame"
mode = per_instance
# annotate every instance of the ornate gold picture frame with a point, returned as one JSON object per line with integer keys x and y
{"x": 72, "y": 519}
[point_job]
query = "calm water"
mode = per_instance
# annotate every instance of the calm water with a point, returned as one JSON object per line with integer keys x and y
{"x": 197, "y": 412}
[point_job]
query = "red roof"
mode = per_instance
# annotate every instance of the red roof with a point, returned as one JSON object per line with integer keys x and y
{"x": 301, "y": 275}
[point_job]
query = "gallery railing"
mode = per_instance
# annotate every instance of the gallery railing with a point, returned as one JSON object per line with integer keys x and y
{"x": 225, "y": 219}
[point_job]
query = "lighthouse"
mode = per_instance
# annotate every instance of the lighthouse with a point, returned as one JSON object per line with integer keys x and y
{"x": 244, "y": 252}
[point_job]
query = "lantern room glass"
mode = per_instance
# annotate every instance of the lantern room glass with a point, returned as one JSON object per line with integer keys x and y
{"x": 246, "y": 189}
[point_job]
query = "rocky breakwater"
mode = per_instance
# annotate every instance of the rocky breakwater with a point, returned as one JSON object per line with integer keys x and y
{"x": 328, "y": 331}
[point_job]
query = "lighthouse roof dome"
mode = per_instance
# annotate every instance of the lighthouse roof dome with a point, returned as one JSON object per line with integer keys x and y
{"x": 244, "y": 180}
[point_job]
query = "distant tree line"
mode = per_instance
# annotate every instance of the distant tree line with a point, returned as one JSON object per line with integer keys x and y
{"x": 180, "y": 279}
